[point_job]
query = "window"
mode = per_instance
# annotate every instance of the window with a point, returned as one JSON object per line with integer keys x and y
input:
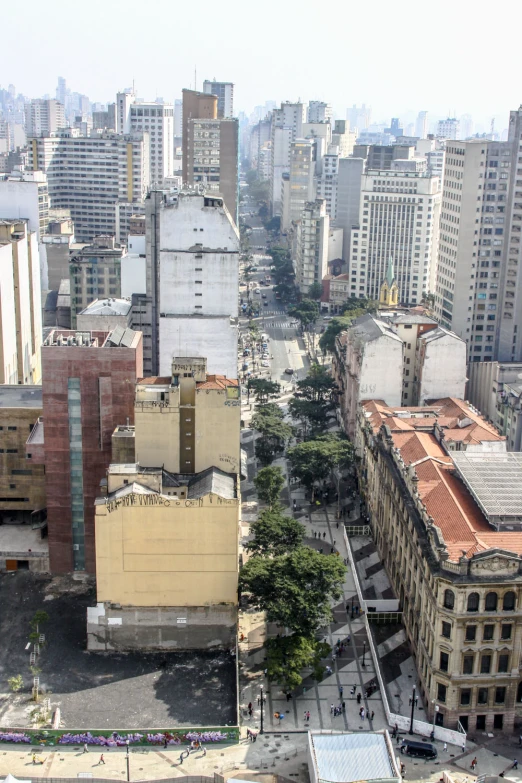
{"x": 491, "y": 602}
{"x": 449, "y": 599}
{"x": 482, "y": 696}
{"x": 11, "y": 429}
{"x": 473, "y": 602}
{"x": 467, "y": 664}
{"x": 500, "y": 695}
{"x": 489, "y": 632}
{"x": 441, "y": 692}
{"x": 444, "y": 662}
{"x": 471, "y": 633}
{"x": 503, "y": 663}
{"x": 465, "y": 696}
{"x": 505, "y": 632}
{"x": 508, "y": 604}
{"x": 446, "y": 630}
{"x": 485, "y": 664}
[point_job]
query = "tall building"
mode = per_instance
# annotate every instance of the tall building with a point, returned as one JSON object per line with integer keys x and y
{"x": 421, "y": 125}
{"x": 88, "y": 381}
{"x": 287, "y": 126}
{"x": 191, "y": 305}
{"x": 318, "y": 111}
{"x": 124, "y": 101}
{"x": 328, "y": 180}
{"x": 43, "y": 117}
{"x": 311, "y": 254}
{"x": 183, "y": 563}
{"x": 300, "y": 182}
{"x": 157, "y": 120}
{"x": 448, "y": 128}
{"x": 20, "y": 304}
{"x": 224, "y": 91}
{"x": 178, "y": 119}
{"x": 95, "y": 272}
{"x": 344, "y": 138}
{"x": 94, "y": 177}
{"x": 495, "y": 388}
{"x": 398, "y": 218}
{"x": 359, "y": 117}
{"x": 61, "y": 90}
{"x": 348, "y": 199}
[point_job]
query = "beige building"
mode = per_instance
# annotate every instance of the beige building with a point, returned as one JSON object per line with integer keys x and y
{"x": 95, "y": 272}
{"x": 456, "y": 573}
{"x": 167, "y": 530}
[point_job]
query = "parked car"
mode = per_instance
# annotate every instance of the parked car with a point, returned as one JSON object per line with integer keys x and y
{"x": 264, "y": 363}
{"x": 423, "y": 750}
{"x": 289, "y": 371}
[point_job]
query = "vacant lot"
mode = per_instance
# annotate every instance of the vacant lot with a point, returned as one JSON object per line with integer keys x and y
{"x": 103, "y": 690}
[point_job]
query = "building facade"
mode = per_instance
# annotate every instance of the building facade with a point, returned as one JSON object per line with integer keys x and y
{"x": 298, "y": 187}
{"x": 319, "y": 111}
{"x": 43, "y": 116}
{"x": 495, "y": 388}
{"x": 224, "y": 91}
{"x": 156, "y": 119}
{"x": 95, "y": 271}
{"x": 311, "y": 253}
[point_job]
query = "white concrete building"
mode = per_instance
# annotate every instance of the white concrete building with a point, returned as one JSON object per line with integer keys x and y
{"x": 440, "y": 366}
{"x": 104, "y": 315}
{"x": 495, "y": 388}
{"x": 398, "y": 218}
{"x": 124, "y": 101}
{"x": 192, "y": 282}
{"x": 20, "y": 304}
{"x": 286, "y": 127}
{"x": 156, "y": 119}
{"x": 298, "y": 188}
{"x": 349, "y": 180}
{"x": 328, "y": 180}
{"x": 225, "y": 96}
{"x": 92, "y": 175}
{"x": 343, "y": 138}
{"x": 421, "y": 125}
{"x": 43, "y": 116}
{"x": 448, "y": 128}
{"x": 311, "y": 257}
{"x": 319, "y": 111}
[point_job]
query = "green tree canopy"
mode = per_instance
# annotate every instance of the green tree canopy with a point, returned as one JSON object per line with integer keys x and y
{"x": 314, "y": 460}
{"x": 337, "y": 325}
{"x": 315, "y": 291}
{"x": 274, "y": 432}
{"x": 354, "y": 303}
{"x": 287, "y": 656}
{"x": 314, "y": 401}
{"x": 295, "y": 590}
{"x": 274, "y": 224}
{"x": 263, "y": 389}
{"x": 269, "y": 482}
{"x": 306, "y": 312}
{"x": 275, "y": 533}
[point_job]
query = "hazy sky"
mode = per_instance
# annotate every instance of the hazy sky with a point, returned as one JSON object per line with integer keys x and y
{"x": 399, "y": 57}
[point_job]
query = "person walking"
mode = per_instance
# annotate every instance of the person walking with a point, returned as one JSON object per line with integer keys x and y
{"x": 515, "y": 763}
{"x": 332, "y": 708}
{"x": 359, "y": 697}
{"x": 373, "y": 713}
{"x": 102, "y": 760}
{"x": 341, "y": 690}
{"x": 85, "y": 748}
{"x": 474, "y": 763}
{"x": 445, "y": 747}
{"x": 363, "y": 713}
{"x": 204, "y": 750}
{"x": 308, "y": 715}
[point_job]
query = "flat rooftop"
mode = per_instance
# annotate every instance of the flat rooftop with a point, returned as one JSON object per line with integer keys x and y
{"x": 20, "y": 396}
{"x": 345, "y": 758}
{"x": 494, "y": 480}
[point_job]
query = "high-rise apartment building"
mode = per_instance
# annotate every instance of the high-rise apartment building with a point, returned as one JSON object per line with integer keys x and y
{"x": 359, "y": 117}
{"x": 43, "y": 117}
{"x": 311, "y": 253}
{"x": 224, "y": 91}
{"x": 20, "y": 303}
{"x": 93, "y": 176}
{"x": 319, "y": 111}
{"x": 298, "y": 188}
{"x": 191, "y": 305}
{"x": 95, "y": 272}
{"x": 448, "y": 128}
{"x": 421, "y": 125}
{"x": 124, "y": 101}
{"x": 344, "y": 138}
{"x": 287, "y": 126}
{"x": 479, "y": 286}
{"x": 61, "y": 90}
{"x": 398, "y": 219}
{"x": 88, "y": 381}
{"x": 157, "y": 120}
{"x": 328, "y": 179}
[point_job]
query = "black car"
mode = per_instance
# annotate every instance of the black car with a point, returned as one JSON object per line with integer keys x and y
{"x": 423, "y": 750}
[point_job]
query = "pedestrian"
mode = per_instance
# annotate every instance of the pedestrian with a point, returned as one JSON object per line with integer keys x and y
{"x": 363, "y": 713}
{"x": 332, "y": 708}
{"x": 474, "y": 763}
{"x": 254, "y": 737}
{"x": 331, "y": 550}
{"x": 321, "y": 551}
{"x": 288, "y": 696}
{"x": 515, "y": 763}
{"x": 463, "y": 747}
{"x": 181, "y": 758}
{"x": 165, "y": 743}
{"x": 85, "y": 748}
{"x": 373, "y": 713}
{"x": 341, "y": 691}
{"x": 308, "y": 715}
{"x": 250, "y": 707}
{"x": 249, "y": 734}
{"x": 359, "y": 697}
{"x": 324, "y": 534}
{"x": 34, "y": 758}
{"x": 334, "y": 541}
{"x": 102, "y": 760}
{"x": 305, "y": 716}
{"x": 352, "y": 692}
{"x": 204, "y": 750}
{"x": 344, "y": 706}
{"x": 250, "y": 712}
{"x": 445, "y": 747}
{"x": 337, "y": 526}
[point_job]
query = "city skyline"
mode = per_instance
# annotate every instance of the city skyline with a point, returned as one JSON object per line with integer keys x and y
{"x": 358, "y": 69}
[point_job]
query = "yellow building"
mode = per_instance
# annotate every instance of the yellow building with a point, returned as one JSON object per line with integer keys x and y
{"x": 389, "y": 293}
{"x": 167, "y": 529}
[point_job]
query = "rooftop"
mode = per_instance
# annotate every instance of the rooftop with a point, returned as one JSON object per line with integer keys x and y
{"x": 108, "y": 307}
{"x": 20, "y": 396}
{"x": 212, "y": 381}
{"x": 345, "y": 758}
{"x": 495, "y": 481}
{"x": 368, "y": 327}
{"x": 212, "y": 480}
{"x": 118, "y": 337}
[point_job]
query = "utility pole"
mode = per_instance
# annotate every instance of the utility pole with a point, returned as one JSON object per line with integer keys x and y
{"x": 262, "y": 704}
{"x": 128, "y": 761}
{"x": 413, "y": 700}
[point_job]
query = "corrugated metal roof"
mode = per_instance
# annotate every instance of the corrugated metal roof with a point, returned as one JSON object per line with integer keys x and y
{"x": 344, "y": 758}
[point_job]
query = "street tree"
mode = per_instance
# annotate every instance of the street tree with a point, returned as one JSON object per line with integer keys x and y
{"x": 286, "y": 291}
{"x": 274, "y": 435}
{"x": 337, "y": 325}
{"x": 274, "y": 224}
{"x": 287, "y": 656}
{"x": 315, "y": 291}
{"x": 306, "y": 312}
{"x": 269, "y": 482}
{"x": 263, "y": 389}
{"x": 275, "y": 533}
{"x": 315, "y": 399}
{"x": 314, "y": 460}
{"x": 354, "y": 303}
{"x": 295, "y": 590}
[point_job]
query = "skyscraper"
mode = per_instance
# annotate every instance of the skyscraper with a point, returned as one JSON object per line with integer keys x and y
{"x": 287, "y": 126}
{"x": 157, "y": 120}
{"x": 43, "y": 117}
{"x": 319, "y": 111}
{"x": 421, "y": 125}
{"x": 311, "y": 256}
{"x": 224, "y": 91}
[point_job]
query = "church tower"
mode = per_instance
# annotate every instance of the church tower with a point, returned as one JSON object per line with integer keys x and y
{"x": 389, "y": 293}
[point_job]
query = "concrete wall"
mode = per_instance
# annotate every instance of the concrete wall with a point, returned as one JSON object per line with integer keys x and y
{"x": 101, "y": 323}
{"x": 348, "y": 199}
{"x": 443, "y": 372}
{"x": 177, "y": 552}
{"x": 8, "y": 350}
{"x": 133, "y": 274}
{"x": 158, "y": 627}
{"x": 215, "y": 339}
{"x": 218, "y": 421}
{"x": 28, "y": 481}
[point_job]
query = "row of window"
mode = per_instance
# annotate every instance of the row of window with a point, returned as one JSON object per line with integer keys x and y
{"x": 486, "y": 663}
{"x": 490, "y": 603}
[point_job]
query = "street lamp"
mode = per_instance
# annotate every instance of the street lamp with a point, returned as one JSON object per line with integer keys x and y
{"x": 262, "y": 700}
{"x": 435, "y": 710}
{"x": 413, "y": 700}
{"x": 128, "y": 760}
{"x": 364, "y": 653}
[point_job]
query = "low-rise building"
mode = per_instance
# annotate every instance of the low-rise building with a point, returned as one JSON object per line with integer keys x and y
{"x": 456, "y": 571}
{"x": 336, "y": 291}
{"x": 349, "y": 757}
{"x": 103, "y": 315}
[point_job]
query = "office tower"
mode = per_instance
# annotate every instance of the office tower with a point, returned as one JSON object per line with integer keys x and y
{"x": 343, "y": 138}
{"x": 191, "y": 305}
{"x": 43, "y": 117}
{"x": 95, "y": 178}
{"x": 448, "y": 128}
{"x": 88, "y": 381}
{"x": 359, "y": 117}
{"x": 158, "y": 121}
{"x": 479, "y": 285}
{"x": 95, "y": 271}
{"x": 311, "y": 255}
{"x": 124, "y": 101}
{"x": 300, "y": 182}
{"x": 398, "y": 219}
{"x": 328, "y": 179}
{"x": 395, "y": 128}
{"x": 348, "y": 199}
{"x": 287, "y": 126}
{"x": 421, "y": 125}
{"x": 318, "y": 111}
{"x": 61, "y": 90}
{"x": 198, "y": 106}
{"x": 224, "y": 91}
{"x": 178, "y": 119}
{"x": 25, "y": 194}
{"x": 433, "y": 150}
{"x": 20, "y": 303}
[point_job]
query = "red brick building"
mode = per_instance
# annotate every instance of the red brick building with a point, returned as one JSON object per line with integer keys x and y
{"x": 88, "y": 381}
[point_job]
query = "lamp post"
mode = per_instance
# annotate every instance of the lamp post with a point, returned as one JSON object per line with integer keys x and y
{"x": 262, "y": 701}
{"x": 128, "y": 761}
{"x": 413, "y": 699}
{"x": 364, "y": 653}
{"x": 435, "y": 710}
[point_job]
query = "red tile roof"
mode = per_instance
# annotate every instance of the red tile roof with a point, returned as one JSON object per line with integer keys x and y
{"x": 217, "y": 382}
